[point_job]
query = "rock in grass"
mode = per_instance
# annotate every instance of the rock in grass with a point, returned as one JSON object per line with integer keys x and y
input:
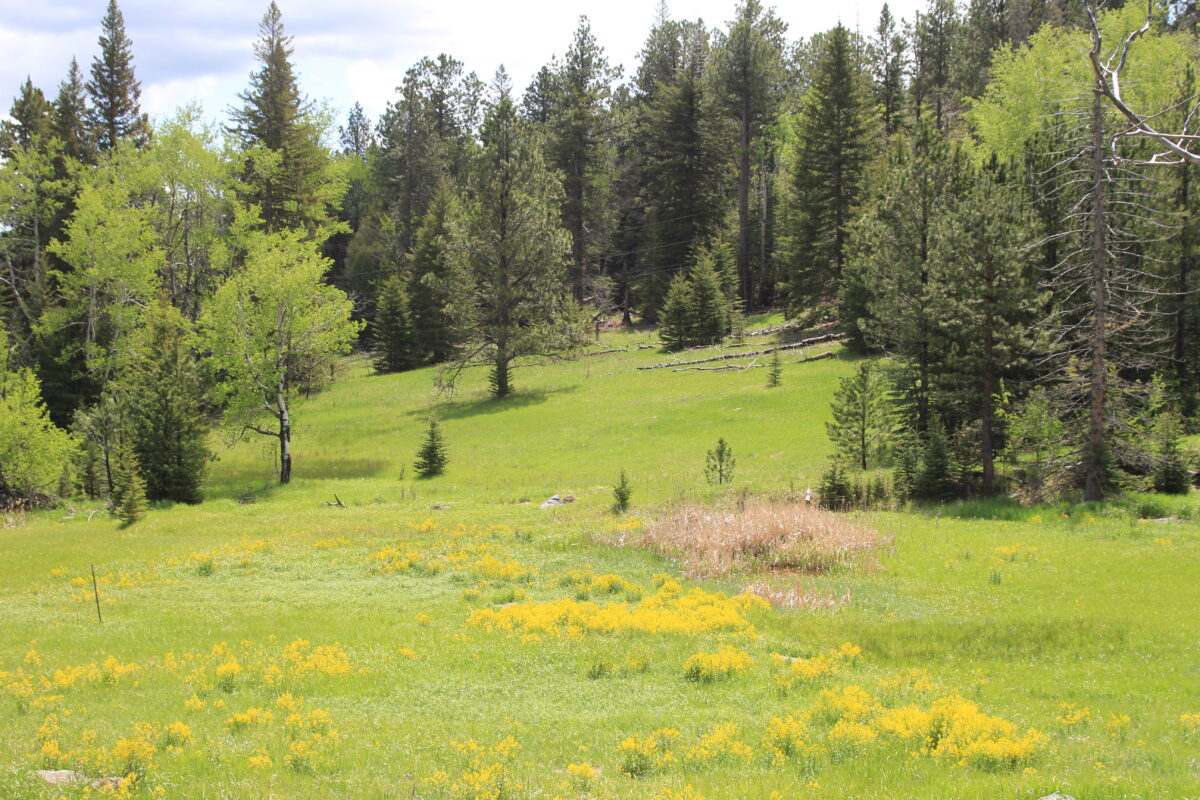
{"x": 60, "y": 777}
{"x": 1057, "y": 796}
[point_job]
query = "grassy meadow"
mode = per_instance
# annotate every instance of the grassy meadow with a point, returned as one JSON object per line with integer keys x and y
{"x": 448, "y": 638}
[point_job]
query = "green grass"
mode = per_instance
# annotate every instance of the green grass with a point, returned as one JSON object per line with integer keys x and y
{"x": 1018, "y": 610}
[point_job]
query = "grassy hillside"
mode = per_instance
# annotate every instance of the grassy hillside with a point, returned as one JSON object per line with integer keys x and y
{"x": 443, "y": 639}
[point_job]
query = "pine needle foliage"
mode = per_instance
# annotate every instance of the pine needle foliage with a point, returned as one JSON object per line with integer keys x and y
{"x": 719, "y": 464}
{"x": 431, "y": 458}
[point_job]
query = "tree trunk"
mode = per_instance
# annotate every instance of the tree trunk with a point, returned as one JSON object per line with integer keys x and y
{"x": 743, "y": 254}
{"x": 986, "y": 445}
{"x": 285, "y": 438}
{"x": 501, "y": 383}
{"x": 1093, "y": 457}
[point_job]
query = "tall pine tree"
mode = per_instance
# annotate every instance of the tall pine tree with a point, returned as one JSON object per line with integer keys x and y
{"x": 114, "y": 90}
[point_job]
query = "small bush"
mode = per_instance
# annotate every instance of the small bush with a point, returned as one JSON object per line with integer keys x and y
{"x": 719, "y": 464}
{"x": 622, "y": 492}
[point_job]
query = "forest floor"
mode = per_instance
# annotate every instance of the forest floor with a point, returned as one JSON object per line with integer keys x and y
{"x": 449, "y": 638}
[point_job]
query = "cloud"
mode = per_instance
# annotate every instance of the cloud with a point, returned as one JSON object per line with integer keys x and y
{"x": 356, "y": 50}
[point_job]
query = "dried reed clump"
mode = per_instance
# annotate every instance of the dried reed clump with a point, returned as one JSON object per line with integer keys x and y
{"x": 758, "y": 535}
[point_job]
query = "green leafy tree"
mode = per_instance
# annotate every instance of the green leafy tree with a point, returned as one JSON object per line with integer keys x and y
{"x": 166, "y": 401}
{"x": 834, "y": 144}
{"x": 863, "y": 420}
{"x": 114, "y": 90}
{"x": 396, "y": 347}
{"x": 510, "y": 253}
{"x": 266, "y": 324}
{"x": 719, "y": 463}
{"x": 33, "y": 453}
{"x": 432, "y": 458}
{"x": 1035, "y": 442}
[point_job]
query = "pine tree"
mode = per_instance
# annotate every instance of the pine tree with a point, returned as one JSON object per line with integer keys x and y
{"x": 431, "y": 458}
{"x": 1171, "y": 475}
{"x": 746, "y": 72}
{"x": 579, "y": 149}
{"x": 890, "y": 250}
{"x": 835, "y": 489}
{"x": 888, "y": 54}
{"x": 863, "y": 420}
{"x": 71, "y": 116}
{"x": 934, "y": 480}
{"x": 114, "y": 91}
{"x": 710, "y": 313}
{"x": 676, "y": 328}
{"x": 285, "y": 161}
{"x": 430, "y": 287}
{"x": 681, "y": 155}
{"x": 165, "y": 401}
{"x": 719, "y": 463}
{"x": 510, "y": 252}
{"x": 129, "y": 487}
{"x": 775, "y": 371}
{"x": 985, "y": 300}
{"x": 935, "y": 36}
{"x": 621, "y": 494}
{"x": 31, "y": 121}
{"x": 396, "y": 344}
{"x": 834, "y": 135}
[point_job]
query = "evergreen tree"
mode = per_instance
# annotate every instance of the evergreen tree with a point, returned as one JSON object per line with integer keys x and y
{"x": 863, "y": 420}
{"x": 30, "y": 124}
{"x": 166, "y": 399}
{"x": 1171, "y": 475}
{"x": 114, "y": 91}
{"x": 676, "y": 324}
{"x": 621, "y": 494}
{"x": 934, "y": 480}
{"x": 71, "y": 116}
{"x": 935, "y": 35}
{"x": 579, "y": 149}
{"x": 356, "y": 137}
{"x": 775, "y": 371}
{"x": 835, "y": 489}
{"x": 680, "y": 144}
{"x": 431, "y": 459}
{"x": 710, "y": 314}
{"x": 510, "y": 252}
{"x": 719, "y": 463}
{"x": 889, "y": 59}
{"x": 890, "y": 249}
{"x": 396, "y": 347}
{"x": 284, "y": 169}
{"x": 834, "y": 146}
{"x": 430, "y": 287}
{"x": 129, "y": 487}
{"x": 747, "y": 71}
{"x": 985, "y": 300}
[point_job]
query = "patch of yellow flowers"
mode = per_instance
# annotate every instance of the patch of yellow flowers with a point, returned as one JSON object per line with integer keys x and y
{"x": 708, "y": 667}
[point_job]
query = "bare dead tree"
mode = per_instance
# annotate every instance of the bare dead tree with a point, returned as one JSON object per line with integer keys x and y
{"x": 1180, "y": 146}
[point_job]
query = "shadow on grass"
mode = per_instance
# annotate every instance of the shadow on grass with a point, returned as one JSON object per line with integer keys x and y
{"x": 489, "y": 405}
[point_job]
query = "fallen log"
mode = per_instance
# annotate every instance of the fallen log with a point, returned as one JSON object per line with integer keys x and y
{"x": 828, "y": 337}
{"x": 740, "y": 367}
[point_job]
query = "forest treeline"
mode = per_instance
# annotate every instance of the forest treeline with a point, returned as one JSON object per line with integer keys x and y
{"x": 949, "y": 190}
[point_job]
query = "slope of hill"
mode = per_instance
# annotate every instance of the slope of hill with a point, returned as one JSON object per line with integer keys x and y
{"x": 443, "y": 639}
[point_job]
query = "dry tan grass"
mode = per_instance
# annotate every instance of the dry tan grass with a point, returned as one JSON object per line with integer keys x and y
{"x": 799, "y": 594}
{"x": 761, "y": 534}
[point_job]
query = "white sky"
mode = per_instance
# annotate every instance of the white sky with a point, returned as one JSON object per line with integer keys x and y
{"x": 356, "y": 50}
